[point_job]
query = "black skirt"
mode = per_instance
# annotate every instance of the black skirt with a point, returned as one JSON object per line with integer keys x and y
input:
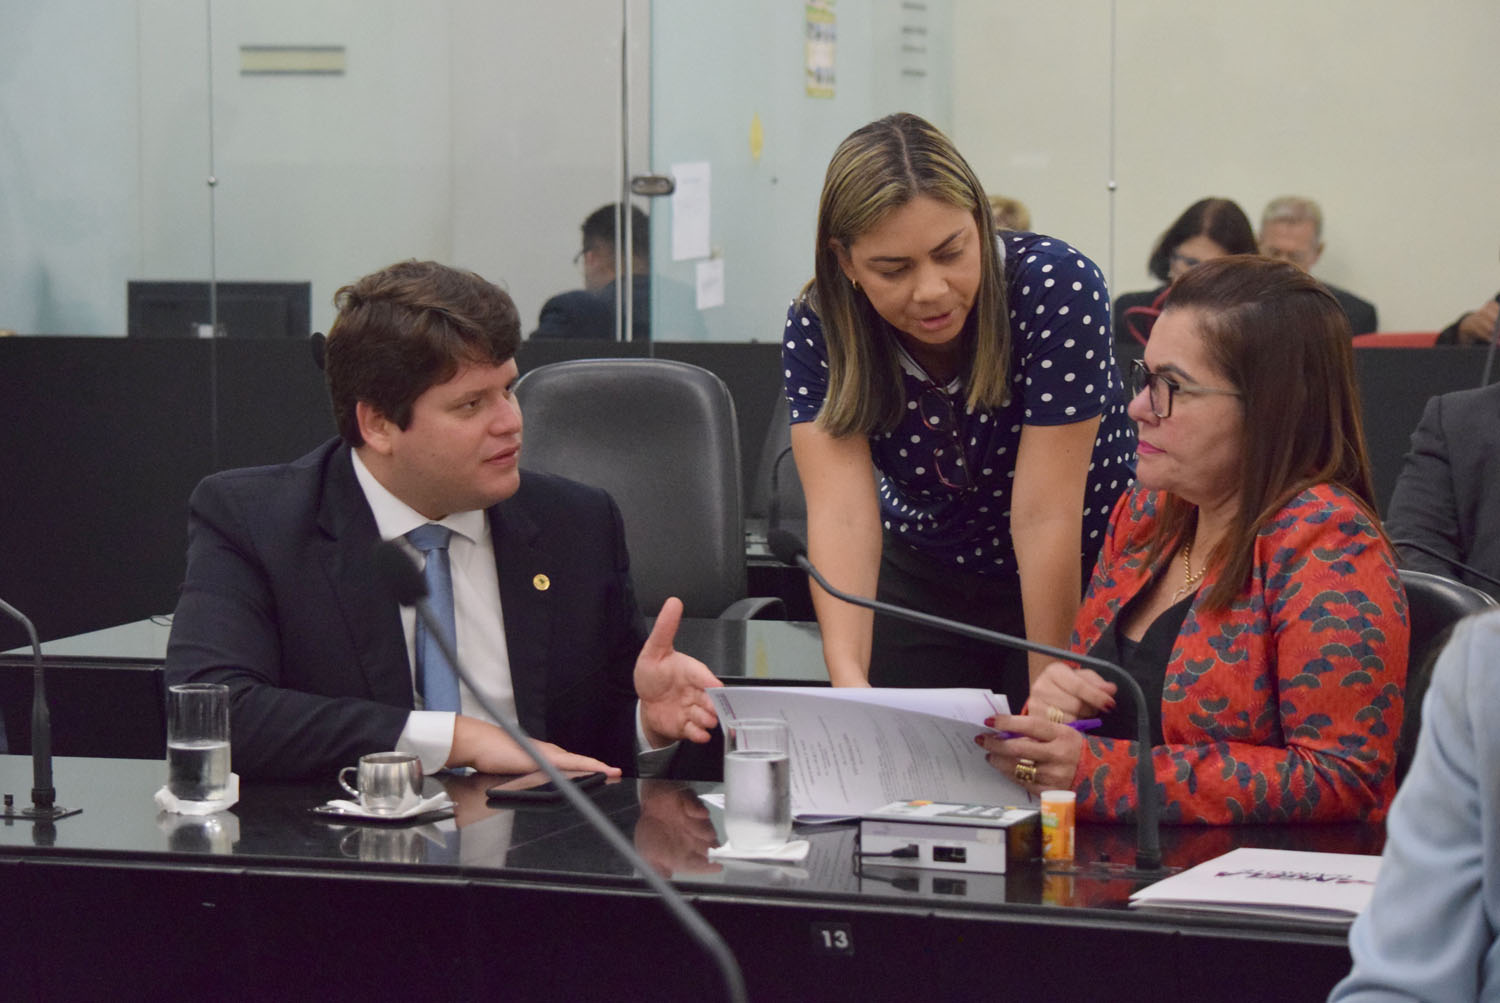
{"x": 911, "y": 654}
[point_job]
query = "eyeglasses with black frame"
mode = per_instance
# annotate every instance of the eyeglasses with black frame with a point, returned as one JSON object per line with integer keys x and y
{"x": 940, "y": 415}
{"x": 1142, "y": 378}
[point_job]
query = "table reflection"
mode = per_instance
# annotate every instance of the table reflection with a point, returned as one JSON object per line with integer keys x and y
{"x": 666, "y": 820}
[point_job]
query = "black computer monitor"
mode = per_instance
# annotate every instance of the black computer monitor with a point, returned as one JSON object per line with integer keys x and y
{"x": 175, "y": 309}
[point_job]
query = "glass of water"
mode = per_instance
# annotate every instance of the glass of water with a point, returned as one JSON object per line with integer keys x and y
{"x": 198, "y": 741}
{"x": 757, "y": 784}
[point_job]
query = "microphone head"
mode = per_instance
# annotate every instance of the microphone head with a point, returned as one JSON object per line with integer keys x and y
{"x": 398, "y": 572}
{"x": 785, "y": 546}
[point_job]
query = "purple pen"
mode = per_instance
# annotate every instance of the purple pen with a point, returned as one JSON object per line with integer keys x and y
{"x": 1086, "y": 724}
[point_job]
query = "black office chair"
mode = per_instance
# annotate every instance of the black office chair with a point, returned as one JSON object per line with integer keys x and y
{"x": 1434, "y": 604}
{"x": 661, "y": 437}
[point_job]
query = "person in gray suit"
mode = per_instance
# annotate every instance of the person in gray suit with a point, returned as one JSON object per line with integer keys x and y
{"x": 1447, "y": 498}
{"x": 282, "y": 602}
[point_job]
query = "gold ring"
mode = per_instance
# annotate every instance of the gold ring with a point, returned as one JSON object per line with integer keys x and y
{"x": 1055, "y": 715}
{"x": 1026, "y": 771}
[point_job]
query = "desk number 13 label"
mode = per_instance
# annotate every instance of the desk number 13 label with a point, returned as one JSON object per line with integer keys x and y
{"x": 833, "y": 938}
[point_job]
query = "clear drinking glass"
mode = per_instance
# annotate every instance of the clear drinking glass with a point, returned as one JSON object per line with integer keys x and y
{"x": 198, "y": 741}
{"x": 757, "y": 784}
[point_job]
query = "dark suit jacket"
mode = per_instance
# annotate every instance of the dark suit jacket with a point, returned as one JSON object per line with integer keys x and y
{"x": 590, "y": 313}
{"x": 1448, "y": 494}
{"x": 282, "y": 603}
{"x": 1361, "y": 313}
{"x": 585, "y": 313}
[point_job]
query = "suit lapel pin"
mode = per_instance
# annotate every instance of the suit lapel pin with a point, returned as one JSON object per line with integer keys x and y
{"x": 541, "y": 583}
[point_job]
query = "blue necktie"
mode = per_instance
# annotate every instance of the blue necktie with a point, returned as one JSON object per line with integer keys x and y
{"x": 438, "y": 680}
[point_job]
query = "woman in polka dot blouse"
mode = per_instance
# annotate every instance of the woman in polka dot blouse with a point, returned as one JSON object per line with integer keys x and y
{"x": 958, "y": 420}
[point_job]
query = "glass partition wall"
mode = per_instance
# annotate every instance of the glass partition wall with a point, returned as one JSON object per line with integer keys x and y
{"x": 312, "y": 141}
{"x": 287, "y": 141}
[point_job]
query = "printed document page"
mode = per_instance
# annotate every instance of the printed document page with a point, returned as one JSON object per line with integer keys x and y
{"x": 855, "y": 750}
{"x": 1297, "y": 884}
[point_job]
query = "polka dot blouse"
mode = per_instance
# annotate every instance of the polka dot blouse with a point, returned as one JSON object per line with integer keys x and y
{"x": 946, "y": 472}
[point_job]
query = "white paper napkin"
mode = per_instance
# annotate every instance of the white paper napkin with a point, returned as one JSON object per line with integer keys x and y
{"x": 167, "y": 801}
{"x": 793, "y": 851}
{"x": 353, "y": 809}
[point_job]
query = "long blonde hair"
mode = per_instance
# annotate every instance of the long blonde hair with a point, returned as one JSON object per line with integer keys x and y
{"x": 877, "y": 170}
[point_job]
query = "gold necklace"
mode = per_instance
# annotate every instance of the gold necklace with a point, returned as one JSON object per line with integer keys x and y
{"x": 1188, "y": 578}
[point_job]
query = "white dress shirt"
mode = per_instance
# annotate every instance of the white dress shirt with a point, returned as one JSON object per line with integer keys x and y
{"x": 478, "y": 618}
{"x": 479, "y": 622}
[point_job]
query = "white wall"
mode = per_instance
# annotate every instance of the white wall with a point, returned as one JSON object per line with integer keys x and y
{"x": 717, "y": 66}
{"x": 1386, "y": 112}
{"x": 536, "y": 135}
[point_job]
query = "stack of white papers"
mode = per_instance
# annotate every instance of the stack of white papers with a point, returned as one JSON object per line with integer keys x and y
{"x": 1290, "y": 884}
{"x": 855, "y": 750}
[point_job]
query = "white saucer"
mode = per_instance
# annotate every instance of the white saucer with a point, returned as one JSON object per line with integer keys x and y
{"x": 354, "y": 810}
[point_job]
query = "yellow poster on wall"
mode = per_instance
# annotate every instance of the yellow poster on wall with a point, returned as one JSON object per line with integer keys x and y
{"x": 822, "y": 32}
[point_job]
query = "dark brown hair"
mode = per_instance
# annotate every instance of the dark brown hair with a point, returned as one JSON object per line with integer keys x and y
{"x": 1220, "y": 220}
{"x": 1280, "y": 338}
{"x": 409, "y": 327}
{"x": 600, "y": 227}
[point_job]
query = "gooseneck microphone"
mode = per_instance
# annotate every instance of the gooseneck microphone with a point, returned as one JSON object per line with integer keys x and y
{"x": 790, "y": 550}
{"x": 400, "y": 574}
{"x": 43, "y": 794}
{"x": 1446, "y": 559}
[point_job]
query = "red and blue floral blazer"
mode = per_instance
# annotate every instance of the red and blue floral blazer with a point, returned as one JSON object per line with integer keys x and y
{"x": 1284, "y": 707}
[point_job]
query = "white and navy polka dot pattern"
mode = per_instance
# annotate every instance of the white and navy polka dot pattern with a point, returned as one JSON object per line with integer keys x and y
{"x": 1062, "y": 371}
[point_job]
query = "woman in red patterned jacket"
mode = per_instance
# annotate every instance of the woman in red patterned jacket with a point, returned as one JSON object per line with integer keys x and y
{"x": 1244, "y": 581}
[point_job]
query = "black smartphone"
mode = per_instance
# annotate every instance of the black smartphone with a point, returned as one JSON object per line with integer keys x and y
{"x": 538, "y": 786}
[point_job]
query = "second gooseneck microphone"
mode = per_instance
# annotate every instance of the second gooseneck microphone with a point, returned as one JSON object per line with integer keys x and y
{"x": 790, "y": 550}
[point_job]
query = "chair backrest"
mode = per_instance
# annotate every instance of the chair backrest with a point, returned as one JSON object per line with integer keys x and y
{"x": 1434, "y": 604}
{"x": 776, "y": 494}
{"x": 661, "y": 437}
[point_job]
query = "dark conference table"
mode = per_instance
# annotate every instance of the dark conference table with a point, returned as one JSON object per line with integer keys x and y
{"x": 269, "y": 901}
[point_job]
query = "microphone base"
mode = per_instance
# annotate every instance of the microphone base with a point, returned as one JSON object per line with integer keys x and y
{"x": 10, "y": 813}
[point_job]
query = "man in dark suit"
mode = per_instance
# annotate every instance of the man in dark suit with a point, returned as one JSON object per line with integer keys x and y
{"x": 1448, "y": 495}
{"x": 590, "y": 312}
{"x": 1291, "y": 228}
{"x": 282, "y": 603}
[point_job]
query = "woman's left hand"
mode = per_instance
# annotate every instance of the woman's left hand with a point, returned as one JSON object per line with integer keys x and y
{"x": 1052, "y": 750}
